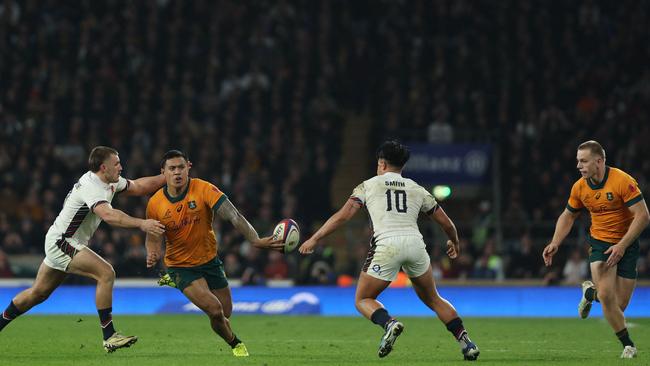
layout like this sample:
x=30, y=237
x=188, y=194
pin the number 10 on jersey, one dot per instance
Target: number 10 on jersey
x=400, y=200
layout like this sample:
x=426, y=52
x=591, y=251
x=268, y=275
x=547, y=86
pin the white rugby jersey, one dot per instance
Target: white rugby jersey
x=77, y=222
x=393, y=203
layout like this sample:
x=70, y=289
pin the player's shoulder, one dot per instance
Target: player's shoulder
x=198, y=183
x=618, y=174
x=87, y=179
x=200, y=186
x=158, y=196
x=411, y=183
x=579, y=184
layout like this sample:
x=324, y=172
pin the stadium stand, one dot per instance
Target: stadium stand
x=244, y=87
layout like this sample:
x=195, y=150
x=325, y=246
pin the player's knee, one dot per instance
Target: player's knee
x=227, y=312
x=358, y=303
x=107, y=275
x=606, y=296
x=215, y=311
x=623, y=304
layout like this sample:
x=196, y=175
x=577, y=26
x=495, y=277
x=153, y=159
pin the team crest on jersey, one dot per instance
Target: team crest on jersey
x=191, y=205
x=610, y=196
x=597, y=196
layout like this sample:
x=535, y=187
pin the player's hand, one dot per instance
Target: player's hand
x=153, y=227
x=269, y=243
x=152, y=258
x=452, y=249
x=548, y=253
x=308, y=246
x=616, y=252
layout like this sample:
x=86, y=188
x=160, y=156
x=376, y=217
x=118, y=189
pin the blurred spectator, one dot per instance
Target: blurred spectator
x=576, y=268
x=525, y=261
x=5, y=267
x=489, y=264
x=276, y=268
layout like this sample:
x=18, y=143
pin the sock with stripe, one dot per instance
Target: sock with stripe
x=624, y=337
x=456, y=328
x=10, y=313
x=380, y=317
x=106, y=321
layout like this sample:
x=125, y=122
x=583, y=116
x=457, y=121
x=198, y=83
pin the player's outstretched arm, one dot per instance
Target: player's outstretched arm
x=145, y=185
x=440, y=217
x=562, y=229
x=638, y=224
x=339, y=218
x=118, y=218
x=227, y=211
x=153, y=243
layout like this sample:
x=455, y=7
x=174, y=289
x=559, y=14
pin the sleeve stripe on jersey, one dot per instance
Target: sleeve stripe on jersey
x=568, y=207
x=357, y=200
x=434, y=209
x=92, y=209
x=634, y=200
x=219, y=202
x=128, y=183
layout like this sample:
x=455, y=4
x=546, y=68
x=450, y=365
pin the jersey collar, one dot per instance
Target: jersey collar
x=181, y=196
x=602, y=183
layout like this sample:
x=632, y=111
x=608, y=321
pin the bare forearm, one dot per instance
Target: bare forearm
x=562, y=228
x=152, y=245
x=328, y=227
x=227, y=211
x=451, y=232
x=245, y=228
x=148, y=185
x=120, y=219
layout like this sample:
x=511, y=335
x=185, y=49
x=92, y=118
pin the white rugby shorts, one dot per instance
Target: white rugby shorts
x=59, y=252
x=388, y=255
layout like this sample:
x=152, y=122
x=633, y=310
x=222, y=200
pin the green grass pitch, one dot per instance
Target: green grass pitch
x=305, y=340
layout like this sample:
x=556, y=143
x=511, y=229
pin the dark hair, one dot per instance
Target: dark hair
x=594, y=147
x=170, y=155
x=98, y=156
x=394, y=153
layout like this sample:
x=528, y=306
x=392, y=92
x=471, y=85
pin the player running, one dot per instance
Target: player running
x=394, y=203
x=66, y=242
x=187, y=207
x=618, y=216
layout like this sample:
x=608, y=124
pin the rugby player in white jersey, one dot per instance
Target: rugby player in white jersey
x=66, y=242
x=394, y=203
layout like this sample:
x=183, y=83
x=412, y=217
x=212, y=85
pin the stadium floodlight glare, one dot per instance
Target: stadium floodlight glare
x=441, y=192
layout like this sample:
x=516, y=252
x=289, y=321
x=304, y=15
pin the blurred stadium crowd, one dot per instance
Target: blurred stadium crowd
x=256, y=94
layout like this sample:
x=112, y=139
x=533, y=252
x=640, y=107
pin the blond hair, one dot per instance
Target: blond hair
x=594, y=147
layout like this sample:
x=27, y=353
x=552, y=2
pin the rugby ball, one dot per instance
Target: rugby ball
x=287, y=231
